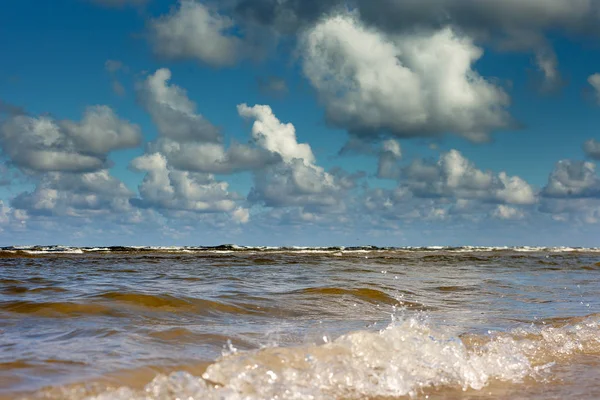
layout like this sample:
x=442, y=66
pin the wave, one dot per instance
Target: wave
x=32, y=251
x=168, y=303
x=406, y=358
x=55, y=309
x=373, y=296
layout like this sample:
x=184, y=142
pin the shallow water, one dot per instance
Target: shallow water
x=254, y=323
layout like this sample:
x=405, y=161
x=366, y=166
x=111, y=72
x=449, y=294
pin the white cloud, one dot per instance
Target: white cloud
x=592, y=148
x=573, y=179
x=82, y=194
x=213, y=157
x=165, y=188
x=11, y=218
x=388, y=167
x=194, y=31
x=454, y=176
x=44, y=144
x=297, y=180
x=409, y=84
x=574, y=210
x=241, y=215
x=189, y=141
x=505, y=212
x=297, y=184
x=594, y=80
x=514, y=190
x=173, y=112
x=275, y=136
x=548, y=64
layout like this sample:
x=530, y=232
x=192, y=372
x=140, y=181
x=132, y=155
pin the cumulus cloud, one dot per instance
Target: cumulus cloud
x=241, y=215
x=296, y=184
x=509, y=213
x=75, y=195
x=43, y=144
x=11, y=218
x=388, y=167
x=512, y=25
x=592, y=149
x=576, y=179
x=454, y=176
x=594, y=81
x=406, y=85
x=194, y=31
x=189, y=141
x=173, y=112
x=275, y=136
x=575, y=210
x=165, y=188
x=213, y=157
x=381, y=205
x=180, y=163
x=297, y=180
x=547, y=63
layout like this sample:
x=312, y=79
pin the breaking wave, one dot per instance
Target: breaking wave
x=406, y=358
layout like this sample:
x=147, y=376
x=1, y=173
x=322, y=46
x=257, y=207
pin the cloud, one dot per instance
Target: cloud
x=173, y=112
x=165, y=188
x=388, y=167
x=10, y=109
x=296, y=184
x=509, y=213
x=43, y=144
x=213, y=157
x=189, y=141
x=296, y=181
x=180, y=163
x=12, y=219
x=113, y=67
x=454, y=176
x=241, y=215
x=405, y=85
x=594, y=80
x=272, y=85
x=75, y=195
x=574, y=179
x=511, y=25
x=547, y=63
x=193, y=31
x=592, y=149
x=275, y=136
x=573, y=210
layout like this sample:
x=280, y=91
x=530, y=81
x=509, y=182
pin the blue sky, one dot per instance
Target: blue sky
x=260, y=122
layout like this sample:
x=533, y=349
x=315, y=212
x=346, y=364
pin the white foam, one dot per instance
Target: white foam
x=403, y=359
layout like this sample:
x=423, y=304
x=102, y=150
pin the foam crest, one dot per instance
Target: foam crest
x=403, y=359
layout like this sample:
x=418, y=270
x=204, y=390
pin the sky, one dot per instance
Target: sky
x=307, y=123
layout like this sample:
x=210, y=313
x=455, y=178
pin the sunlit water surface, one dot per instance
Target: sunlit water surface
x=233, y=323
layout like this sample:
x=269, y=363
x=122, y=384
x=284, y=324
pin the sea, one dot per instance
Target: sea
x=233, y=322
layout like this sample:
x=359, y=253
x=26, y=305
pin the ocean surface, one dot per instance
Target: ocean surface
x=233, y=322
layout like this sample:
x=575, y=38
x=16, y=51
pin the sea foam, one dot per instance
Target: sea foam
x=406, y=358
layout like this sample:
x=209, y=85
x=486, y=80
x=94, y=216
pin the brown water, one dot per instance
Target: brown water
x=231, y=323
